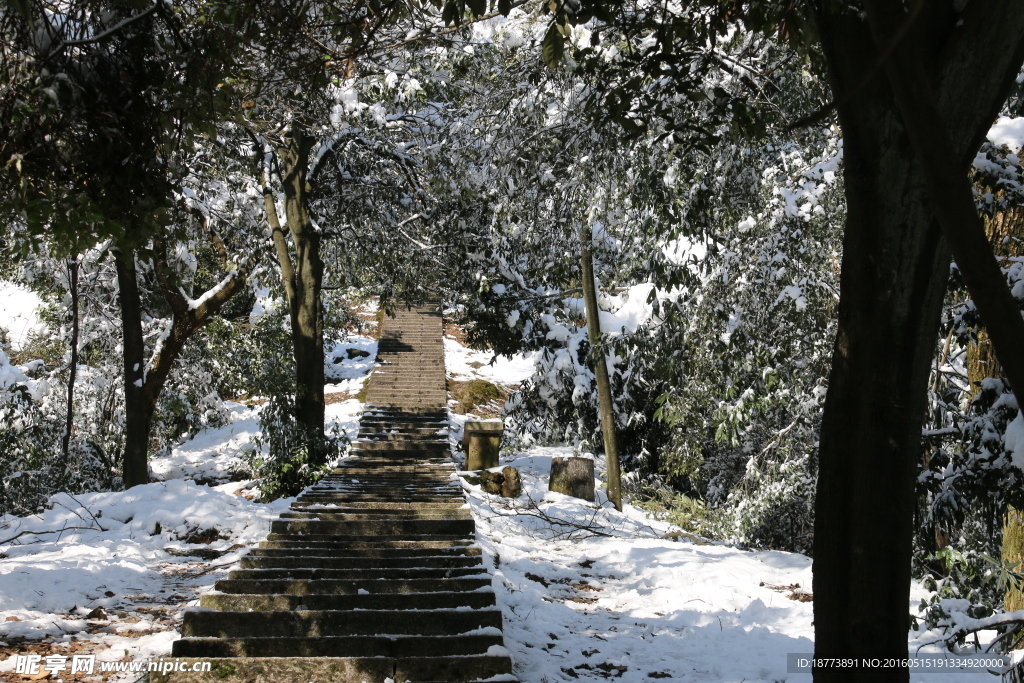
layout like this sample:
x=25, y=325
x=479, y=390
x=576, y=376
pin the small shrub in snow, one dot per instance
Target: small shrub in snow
x=287, y=457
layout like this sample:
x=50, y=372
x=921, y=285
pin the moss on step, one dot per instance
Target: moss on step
x=477, y=396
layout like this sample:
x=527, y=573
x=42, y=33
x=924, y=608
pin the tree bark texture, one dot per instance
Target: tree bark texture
x=135, y=467
x=303, y=277
x=894, y=275
x=604, y=387
x=573, y=477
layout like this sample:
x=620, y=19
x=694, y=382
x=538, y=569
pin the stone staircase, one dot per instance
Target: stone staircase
x=373, y=574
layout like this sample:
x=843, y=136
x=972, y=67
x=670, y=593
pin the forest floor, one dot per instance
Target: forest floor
x=587, y=593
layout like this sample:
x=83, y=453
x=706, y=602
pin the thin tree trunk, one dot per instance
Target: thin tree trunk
x=894, y=274
x=604, y=387
x=73, y=370
x=135, y=467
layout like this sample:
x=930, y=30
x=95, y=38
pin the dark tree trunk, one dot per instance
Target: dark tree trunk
x=73, y=369
x=137, y=417
x=303, y=278
x=894, y=274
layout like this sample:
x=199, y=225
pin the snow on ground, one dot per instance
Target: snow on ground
x=18, y=313
x=463, y=363
x=587, y=593
x=139, y=556
x=212, y=454
x=344, y=360
x=1009, y=132
x=627, y=600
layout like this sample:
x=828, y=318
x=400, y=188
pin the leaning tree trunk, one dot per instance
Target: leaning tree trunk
x=302, y=278
x=894, y=274
x=186, y=319
x=982, y=363
x=135, y=467
x=598, y=356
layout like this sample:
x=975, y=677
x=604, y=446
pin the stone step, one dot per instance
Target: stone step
x=392, y=505
x=393, y=601
x=351, y=586
x=426, y=481
x=411, y=406
x=439, y=431
x=320, y=562
x=385, y=487
x=412, y=411
x=375, y=499
x=310, y=538
x=363, y=446
x=406, y=421
x=358, y=466
x=380, y=436
x=339, y=646
x=337, y=482
x=370, y=514
x=383, y=478
x=371, y=553
x=381, y=527
x=326, y=623
x=376, y=545
x=313, y=574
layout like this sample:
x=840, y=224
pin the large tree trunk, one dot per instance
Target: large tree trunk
x=135, y=467
x=894, y=274
x=303, y=278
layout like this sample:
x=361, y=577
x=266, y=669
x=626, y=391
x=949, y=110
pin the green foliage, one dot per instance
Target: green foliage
x=689, y=514
x=286, y=456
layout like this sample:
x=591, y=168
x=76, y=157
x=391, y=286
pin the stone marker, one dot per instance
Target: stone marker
x=572, y=476
x=512, y=483
x=482, y=440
